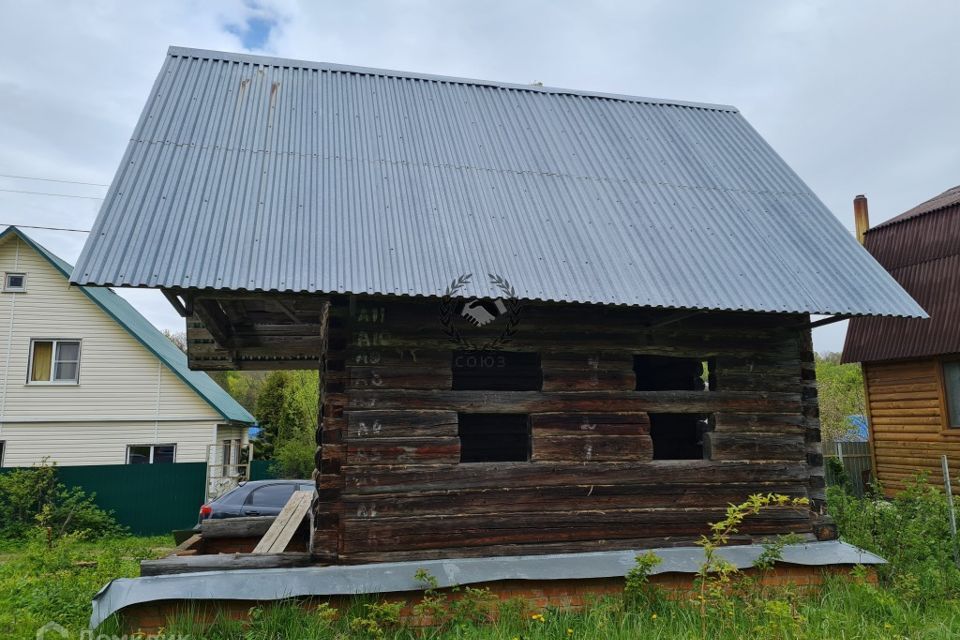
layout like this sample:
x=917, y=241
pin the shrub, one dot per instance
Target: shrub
x=33, y=497
x=911, y=532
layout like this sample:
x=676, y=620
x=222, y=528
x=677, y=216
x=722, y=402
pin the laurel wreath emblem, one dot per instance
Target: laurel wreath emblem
x=448, y=305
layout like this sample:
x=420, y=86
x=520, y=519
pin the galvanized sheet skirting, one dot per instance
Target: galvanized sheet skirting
x=388, y=577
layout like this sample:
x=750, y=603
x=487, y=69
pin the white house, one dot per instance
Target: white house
x=86, y=380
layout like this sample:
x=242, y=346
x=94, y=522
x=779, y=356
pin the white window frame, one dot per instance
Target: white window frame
x=53, y=362
x=3, y=451
x=152, y=448
x=6, y=282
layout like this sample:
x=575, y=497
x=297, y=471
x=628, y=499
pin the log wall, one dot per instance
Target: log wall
x=907, y=412
x=391, y=485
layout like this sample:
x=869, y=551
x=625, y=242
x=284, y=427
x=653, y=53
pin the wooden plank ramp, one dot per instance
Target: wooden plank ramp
x=278, y=536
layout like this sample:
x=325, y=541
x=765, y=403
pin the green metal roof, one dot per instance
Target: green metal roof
x=148, y=335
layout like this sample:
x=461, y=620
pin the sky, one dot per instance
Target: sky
x=858, y=96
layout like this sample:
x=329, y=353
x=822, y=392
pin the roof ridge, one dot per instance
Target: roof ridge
x=274, y=61
x=920, y=210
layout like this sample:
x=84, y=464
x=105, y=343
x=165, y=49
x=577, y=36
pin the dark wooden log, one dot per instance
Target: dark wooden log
x=223, y=562
x=576, y=402
x=754, y=446
x=588, y=380
x=361, y=479
x=495, y=551
x=396, y=378
x=437, y=532
x=235, y=527
x=397, y=423
x=392, y=451
x=564, y=498
x=591, y=448
x=562, y=424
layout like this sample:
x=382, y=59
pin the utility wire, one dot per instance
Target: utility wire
x=31, y=226
x=89, y=184
x=44, y=193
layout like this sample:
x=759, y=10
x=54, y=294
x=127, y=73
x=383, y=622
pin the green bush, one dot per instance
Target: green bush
x=34, y=497
x=911, y=532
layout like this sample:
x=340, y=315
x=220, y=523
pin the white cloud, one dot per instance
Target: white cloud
x=859, y=97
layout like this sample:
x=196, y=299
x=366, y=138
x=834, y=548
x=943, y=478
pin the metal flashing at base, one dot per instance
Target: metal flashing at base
x=388, y=577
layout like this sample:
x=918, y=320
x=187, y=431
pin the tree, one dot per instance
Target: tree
x=178, y=338
x=287, y=410
x=840, y=393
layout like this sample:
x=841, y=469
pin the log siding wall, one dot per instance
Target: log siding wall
x=907, y=412
x=391, y=486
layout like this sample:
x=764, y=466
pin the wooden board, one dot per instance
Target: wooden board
x=278, y=536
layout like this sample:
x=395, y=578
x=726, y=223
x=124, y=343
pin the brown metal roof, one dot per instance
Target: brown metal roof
x=949, y=197
x=922, y=252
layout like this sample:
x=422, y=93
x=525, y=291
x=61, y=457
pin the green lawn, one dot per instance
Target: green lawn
x=40, y=583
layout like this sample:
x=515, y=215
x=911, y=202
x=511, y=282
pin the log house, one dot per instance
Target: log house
x=546, y=320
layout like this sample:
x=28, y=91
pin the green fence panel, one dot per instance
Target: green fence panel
x=261, y=470
x=148, y=498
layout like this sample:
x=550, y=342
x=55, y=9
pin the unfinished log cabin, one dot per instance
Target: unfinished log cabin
x=911, y=367
x=546, y=320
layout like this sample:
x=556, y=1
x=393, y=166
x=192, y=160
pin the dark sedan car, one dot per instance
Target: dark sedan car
x=254, y=498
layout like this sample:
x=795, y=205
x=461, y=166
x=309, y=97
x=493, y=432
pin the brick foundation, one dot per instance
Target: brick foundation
x=537, y=594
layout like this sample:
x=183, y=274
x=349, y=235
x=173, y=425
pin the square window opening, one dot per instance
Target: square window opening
x=668, y=373
x=494, y=437
x=678, y=436
x=15, y=282
x=496, y=371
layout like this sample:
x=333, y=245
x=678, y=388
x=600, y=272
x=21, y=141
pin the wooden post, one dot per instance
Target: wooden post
x=953, y=516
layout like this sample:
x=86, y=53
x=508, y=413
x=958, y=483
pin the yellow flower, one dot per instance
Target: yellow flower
x=569, y=632
x=653, y=617
x=887, y=625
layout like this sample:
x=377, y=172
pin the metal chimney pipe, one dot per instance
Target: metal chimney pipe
x=861, y=216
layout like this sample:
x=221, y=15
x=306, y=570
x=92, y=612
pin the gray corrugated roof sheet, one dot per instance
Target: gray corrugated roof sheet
x=256, y=173
x=147, y=335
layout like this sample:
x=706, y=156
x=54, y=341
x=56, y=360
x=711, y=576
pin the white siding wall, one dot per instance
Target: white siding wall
x=125, y=395
x=78, y=443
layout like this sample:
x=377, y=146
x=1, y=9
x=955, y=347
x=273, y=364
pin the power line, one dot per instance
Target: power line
x=44, y=193
x=31, y=226
x=89, y=184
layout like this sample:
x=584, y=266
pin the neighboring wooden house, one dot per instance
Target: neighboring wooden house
x=545, y=320
x=911, y=367
x=86, y=380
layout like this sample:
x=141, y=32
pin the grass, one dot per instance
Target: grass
x=40, y=583
x=918, y=596
x=842, y=609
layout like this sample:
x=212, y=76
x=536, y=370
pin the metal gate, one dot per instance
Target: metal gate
x=854, y=459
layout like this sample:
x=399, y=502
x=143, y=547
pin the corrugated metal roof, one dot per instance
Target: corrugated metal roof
x=947, y=198
x=923, y=253
x=258, y=173
x=148, y=335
